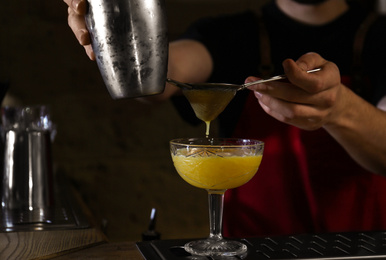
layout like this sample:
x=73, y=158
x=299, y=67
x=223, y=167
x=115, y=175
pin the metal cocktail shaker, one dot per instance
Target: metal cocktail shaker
x=129, y=38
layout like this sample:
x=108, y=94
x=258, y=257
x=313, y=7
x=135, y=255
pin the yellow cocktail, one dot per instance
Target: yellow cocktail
x=216, y=172
x=216, y=164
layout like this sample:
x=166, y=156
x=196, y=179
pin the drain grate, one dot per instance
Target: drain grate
x=328, y=246
x=331, y=246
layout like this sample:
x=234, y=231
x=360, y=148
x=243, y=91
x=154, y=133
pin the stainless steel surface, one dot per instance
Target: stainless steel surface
x=31, y=198
x=226, y=86
x=27, y=171
x=129, y=38
x=27, y=188
x=27, y=164
x=64, y=213
x=328, y=246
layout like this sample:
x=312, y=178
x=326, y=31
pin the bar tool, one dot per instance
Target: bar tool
x=129, y=38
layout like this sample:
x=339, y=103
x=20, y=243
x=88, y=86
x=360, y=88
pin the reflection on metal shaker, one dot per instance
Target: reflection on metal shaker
x=129, y=38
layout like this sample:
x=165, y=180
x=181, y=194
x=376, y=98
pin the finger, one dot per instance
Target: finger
x=78, y=26
x=286, y=92
x=78, y=6
x=288, y=111
x=292, y=95
x=297, y=74
x=90, y=52
x=282, y=90
x=310, y=61
x=299, y=115
x=251, y=79
x=314, y=82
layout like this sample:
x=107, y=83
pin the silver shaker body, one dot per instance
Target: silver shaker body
x=129, y=38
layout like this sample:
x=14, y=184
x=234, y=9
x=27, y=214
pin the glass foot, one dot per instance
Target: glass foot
x=211, y=247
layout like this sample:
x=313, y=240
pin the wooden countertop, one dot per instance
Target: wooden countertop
x=64, y=244
x=45, y=244
x=116, y=251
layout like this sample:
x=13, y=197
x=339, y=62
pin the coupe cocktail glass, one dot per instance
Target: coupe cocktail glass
x=216, y=164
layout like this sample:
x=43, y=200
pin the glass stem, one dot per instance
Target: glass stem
x=216, y=205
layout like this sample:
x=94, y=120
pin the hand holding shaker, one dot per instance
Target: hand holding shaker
x=129, y=38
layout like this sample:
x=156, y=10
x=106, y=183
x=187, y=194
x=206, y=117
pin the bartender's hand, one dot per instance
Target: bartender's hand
x=76, y=15
x=308, y=100
x=314, y=100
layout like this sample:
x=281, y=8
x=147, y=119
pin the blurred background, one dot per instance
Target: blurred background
x=116, y=153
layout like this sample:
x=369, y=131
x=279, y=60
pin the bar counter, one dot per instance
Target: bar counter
x=89, y=242
x=64, y=244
